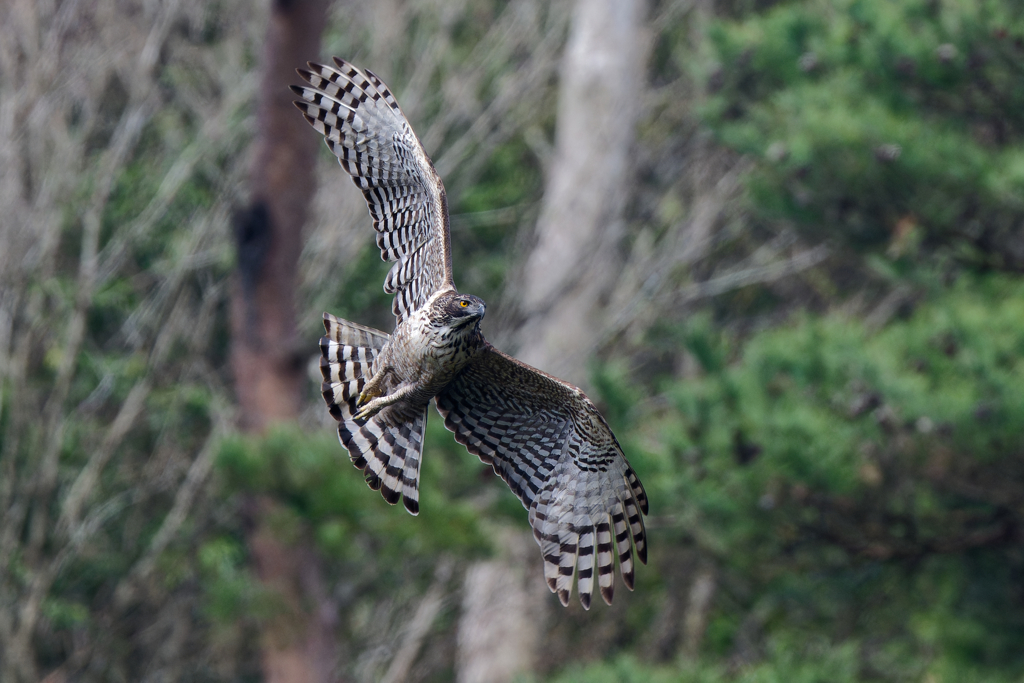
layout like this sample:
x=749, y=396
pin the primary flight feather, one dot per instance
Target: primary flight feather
x=543, y=436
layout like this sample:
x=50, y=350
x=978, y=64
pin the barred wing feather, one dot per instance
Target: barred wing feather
x=388, y=446
x=364, y=127
x=546, y=439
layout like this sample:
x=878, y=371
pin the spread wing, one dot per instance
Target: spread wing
x=364, y=127
x=549, y=443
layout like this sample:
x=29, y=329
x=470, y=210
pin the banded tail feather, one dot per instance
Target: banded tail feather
x=388, y=446
x=347, y=353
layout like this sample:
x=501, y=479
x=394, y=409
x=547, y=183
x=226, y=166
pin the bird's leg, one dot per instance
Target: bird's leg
x=373, y=387
x=376, y=405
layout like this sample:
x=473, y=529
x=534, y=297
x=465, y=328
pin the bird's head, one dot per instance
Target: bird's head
x=460, y=311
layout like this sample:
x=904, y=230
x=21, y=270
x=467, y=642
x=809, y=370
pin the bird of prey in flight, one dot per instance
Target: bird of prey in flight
x=543, y=436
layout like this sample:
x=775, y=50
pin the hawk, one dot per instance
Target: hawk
x=542, y=436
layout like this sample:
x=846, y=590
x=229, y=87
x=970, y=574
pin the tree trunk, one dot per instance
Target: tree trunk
x=267, y=362
x=266, y=359
x=569, y=272
x=574, y=263
x=503, y=613
x=299, y=645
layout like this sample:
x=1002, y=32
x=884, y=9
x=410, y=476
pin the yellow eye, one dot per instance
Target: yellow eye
x=464, y=304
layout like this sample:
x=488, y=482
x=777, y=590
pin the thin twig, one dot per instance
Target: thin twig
x=750, y=276
x=88, y=477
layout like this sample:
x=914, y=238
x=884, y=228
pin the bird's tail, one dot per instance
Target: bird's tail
x=386, y=446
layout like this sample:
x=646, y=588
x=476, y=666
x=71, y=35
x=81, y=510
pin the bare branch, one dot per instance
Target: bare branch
x=657, y=296
x=757, y=275
x=87, y=478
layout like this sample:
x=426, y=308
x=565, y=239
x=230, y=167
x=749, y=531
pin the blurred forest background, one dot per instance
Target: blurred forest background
x=781, y=244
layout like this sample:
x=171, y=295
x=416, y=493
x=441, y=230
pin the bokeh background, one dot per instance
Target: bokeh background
x=780, y=244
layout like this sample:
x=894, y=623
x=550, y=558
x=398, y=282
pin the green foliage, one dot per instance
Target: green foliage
x=486, y=215
x=855, y=483
x=231, y=592
x=313, y=475
x=852, y=482
x=803, y=661
x=377, y=557
x=881, y=123
x=812, y=661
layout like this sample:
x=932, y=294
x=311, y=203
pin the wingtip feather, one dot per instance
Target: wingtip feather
x=628, y=578
x=411, y=506
x=390, y=495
